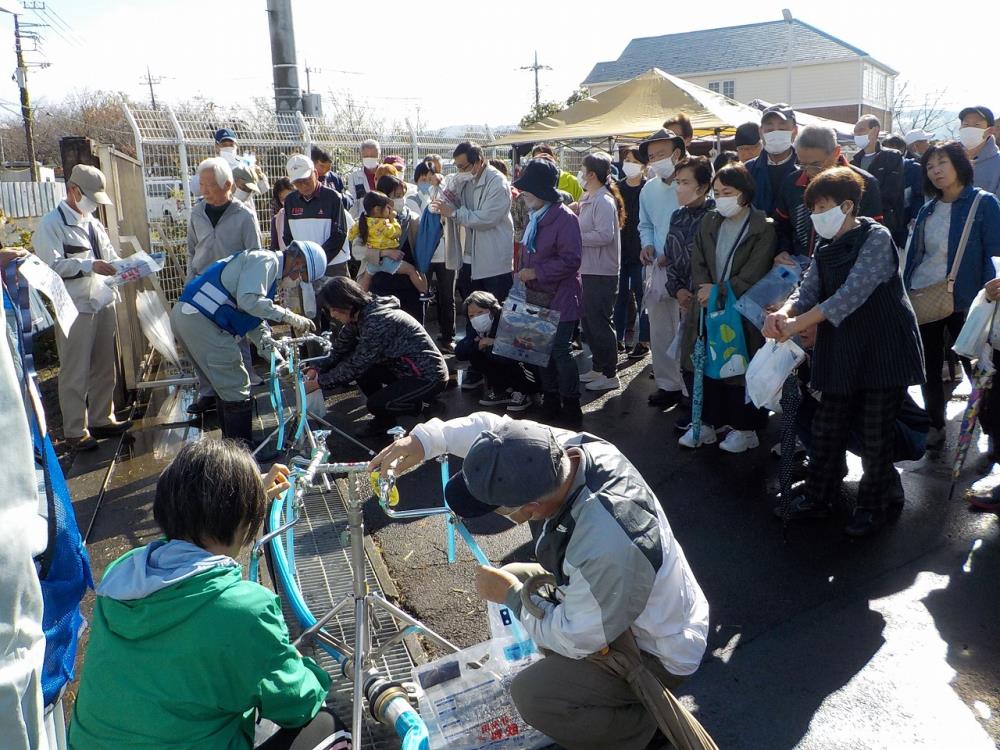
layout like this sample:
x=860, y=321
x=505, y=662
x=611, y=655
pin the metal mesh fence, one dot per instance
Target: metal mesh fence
x=170, y=143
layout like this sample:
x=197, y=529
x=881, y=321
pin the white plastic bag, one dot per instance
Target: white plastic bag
x=655, y=285
x=465, y=699
x=976, y=330
x=155, y=325
x=769, y=369
x=315, y=403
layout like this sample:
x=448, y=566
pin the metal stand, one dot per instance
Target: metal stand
x=362, y=660
x=293, y=364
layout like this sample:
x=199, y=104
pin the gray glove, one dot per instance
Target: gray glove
x=299, y=323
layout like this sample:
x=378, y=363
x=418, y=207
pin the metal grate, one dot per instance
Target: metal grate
x=323, y=569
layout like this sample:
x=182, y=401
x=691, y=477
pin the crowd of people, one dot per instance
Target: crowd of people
x=639, y=254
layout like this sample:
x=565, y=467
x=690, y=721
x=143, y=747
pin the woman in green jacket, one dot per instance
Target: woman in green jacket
x=183, y=652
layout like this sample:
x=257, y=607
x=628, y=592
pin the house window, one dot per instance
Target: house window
x=876, y=86
x=726, y=88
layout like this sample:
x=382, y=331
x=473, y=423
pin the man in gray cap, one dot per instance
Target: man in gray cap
x=76, y=246
x=619, y=572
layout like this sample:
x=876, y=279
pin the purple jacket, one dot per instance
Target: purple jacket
x=556, y=261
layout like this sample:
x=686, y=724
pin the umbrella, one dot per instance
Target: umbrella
x=428, y=237
x=698, y=392
x=982, y=378
x=791, y=398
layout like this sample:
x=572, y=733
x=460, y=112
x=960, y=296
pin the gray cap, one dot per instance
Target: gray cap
x=517, y=464
x=91, y=181
x=248, y=178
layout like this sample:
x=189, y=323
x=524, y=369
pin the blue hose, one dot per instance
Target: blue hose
x=277, y=403
x=303, y=411
x=412, y=729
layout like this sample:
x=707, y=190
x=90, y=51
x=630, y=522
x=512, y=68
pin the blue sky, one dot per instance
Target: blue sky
x=456, y=61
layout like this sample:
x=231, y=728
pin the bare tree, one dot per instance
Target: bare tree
x=920, y=112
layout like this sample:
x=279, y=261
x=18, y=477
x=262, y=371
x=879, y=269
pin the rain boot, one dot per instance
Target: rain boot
x=236, y=420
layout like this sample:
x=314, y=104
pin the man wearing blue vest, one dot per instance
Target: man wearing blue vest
x=231, y=299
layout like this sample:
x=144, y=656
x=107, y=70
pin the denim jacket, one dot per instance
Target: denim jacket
x=984, y=244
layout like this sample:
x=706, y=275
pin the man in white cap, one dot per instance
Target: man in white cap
x=918, y=141
x=234, y=298
x=76, y=246
x=315, y=213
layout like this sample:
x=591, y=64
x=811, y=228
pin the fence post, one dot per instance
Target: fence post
x=304, y=130
x=183, y=156
x=414, y=145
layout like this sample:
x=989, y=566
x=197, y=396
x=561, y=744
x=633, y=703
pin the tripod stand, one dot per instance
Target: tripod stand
x=360, y=662
x=285, y=358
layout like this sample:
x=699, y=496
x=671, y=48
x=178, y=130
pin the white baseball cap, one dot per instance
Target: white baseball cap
x=299, y=167
x=917, y=135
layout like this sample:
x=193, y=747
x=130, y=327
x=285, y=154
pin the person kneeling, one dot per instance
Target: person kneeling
x=388, y=353
x=184, y=652
x=508, y=383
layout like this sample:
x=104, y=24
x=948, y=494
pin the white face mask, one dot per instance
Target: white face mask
x=481, y=323
x=971, y=137
x=85, y=206
x=631, y=169
x=370, y=162
x=398, y=204
x=228, y=153
x=581, y=177
x=241, y=195
x=777, y=141
x=664, y=168
x=461, y=178
x=828, y=223
x=861, y=141
x=728, y=205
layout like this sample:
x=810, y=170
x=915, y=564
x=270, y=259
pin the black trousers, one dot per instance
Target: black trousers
x=932, y=335
x=502, y=373
x=444, y=281
x=498, y=286
x=325, y=732
x=725, y=404
x=873, y=414
x=390, y=396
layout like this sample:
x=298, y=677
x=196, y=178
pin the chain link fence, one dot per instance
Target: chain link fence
x=170, y=143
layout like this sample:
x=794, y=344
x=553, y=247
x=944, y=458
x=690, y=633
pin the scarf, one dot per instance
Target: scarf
x=530, y=231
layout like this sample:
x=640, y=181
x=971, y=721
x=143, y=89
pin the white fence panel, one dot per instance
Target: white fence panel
x=20, y=200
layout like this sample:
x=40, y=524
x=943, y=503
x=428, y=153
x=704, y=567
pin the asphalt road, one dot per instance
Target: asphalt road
x=817, y=641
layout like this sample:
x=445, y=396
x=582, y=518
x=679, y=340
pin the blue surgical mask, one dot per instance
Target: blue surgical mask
x=424, y=187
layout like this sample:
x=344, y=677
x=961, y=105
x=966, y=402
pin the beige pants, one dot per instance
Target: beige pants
x=215, y=354
x=87, y=372
x=578, y=703
x=664, y=322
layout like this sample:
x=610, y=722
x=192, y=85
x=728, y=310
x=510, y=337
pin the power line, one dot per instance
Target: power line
x=151, y=81
x=536, y=67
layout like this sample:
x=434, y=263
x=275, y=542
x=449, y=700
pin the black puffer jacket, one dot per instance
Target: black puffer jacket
x=383, y=335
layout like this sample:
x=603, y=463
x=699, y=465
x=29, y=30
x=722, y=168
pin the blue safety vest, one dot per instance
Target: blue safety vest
x=209, y=297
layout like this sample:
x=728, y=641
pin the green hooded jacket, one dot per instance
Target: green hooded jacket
x=190, y=664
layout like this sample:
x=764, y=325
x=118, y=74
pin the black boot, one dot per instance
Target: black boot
x=236, y=420
x=203, y=405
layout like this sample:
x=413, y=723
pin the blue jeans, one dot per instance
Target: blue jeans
x=630, y=287
x=562, y=375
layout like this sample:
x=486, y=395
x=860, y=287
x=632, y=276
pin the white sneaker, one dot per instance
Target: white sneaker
x=738, y=441
x=588, y=377
x=604, y=383
x=707, y=437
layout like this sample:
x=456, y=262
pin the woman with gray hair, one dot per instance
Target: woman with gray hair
x=508, y=383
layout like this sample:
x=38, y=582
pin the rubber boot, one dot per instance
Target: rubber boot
x=236, y=420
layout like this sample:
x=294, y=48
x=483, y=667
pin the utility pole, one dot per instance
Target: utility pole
x=151, y=81
x=22, y=82
x=308, y=80
x=536, y=67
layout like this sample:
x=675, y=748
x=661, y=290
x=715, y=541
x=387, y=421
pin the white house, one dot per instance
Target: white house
x=777, y=61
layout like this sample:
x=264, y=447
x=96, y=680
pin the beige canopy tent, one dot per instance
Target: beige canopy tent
x=636, y=109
